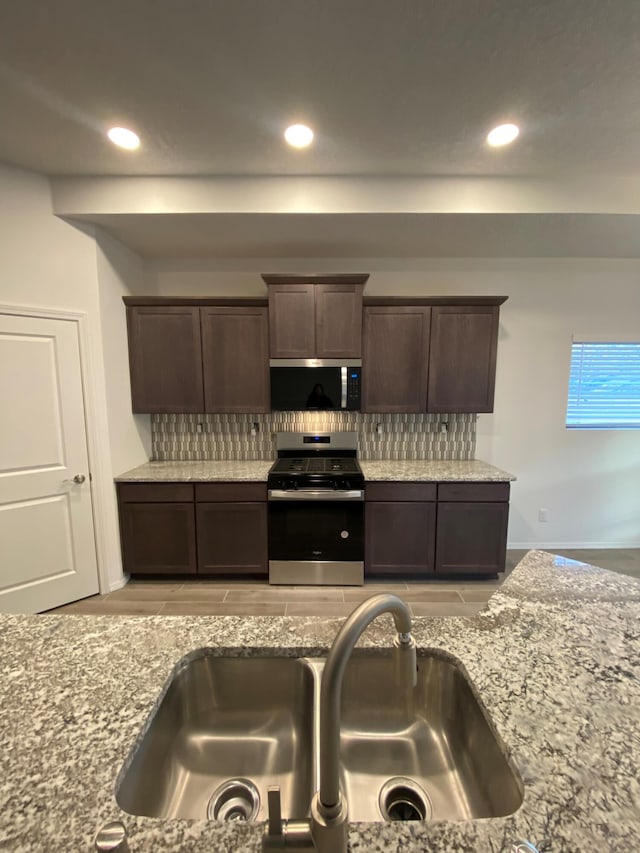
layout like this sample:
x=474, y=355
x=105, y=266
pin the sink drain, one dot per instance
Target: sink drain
x=234, y=800
x=403, y=799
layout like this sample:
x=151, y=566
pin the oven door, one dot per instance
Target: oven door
x=316, y=541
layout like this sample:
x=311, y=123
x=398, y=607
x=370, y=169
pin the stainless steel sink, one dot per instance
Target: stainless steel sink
x=223, y=720
x=435, y=755
x=224, y=725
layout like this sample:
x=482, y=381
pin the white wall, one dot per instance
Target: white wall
x=588, y=480
x=47, y=263
x=120, y=273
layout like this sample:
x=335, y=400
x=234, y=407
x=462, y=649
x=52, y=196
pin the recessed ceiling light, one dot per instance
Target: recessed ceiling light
x=503, y=135
x=124, y=138
x=299, y=135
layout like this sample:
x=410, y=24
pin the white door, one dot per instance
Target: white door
x=47, y=546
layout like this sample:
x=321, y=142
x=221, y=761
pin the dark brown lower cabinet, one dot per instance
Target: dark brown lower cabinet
x=232, y=539
x=399, y=529
x=472, y=528
x=216, y=529
x=157, y=528
x=412, y=529
x=231, y=524
x=415, y=529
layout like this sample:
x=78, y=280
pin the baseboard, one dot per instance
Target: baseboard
x=118, y=583
x=550, y=546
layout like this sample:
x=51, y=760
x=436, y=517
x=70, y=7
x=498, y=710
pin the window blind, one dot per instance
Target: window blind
x=604, y=386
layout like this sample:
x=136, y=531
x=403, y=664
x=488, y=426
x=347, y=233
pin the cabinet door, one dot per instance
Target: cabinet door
x=399, y=539
x=232, y=538
x=158, y=538
x=292, y=321
x=394, y=362
x=472, y=537
x=235, y=355
x=338, y=321
x=165, y=359
x=462, y=358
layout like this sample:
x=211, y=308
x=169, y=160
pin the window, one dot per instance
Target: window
x=604, y=385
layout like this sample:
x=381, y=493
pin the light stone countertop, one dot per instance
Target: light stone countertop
x=227, y=470
x=472, y=470
x=555, y=658
x=201, y=471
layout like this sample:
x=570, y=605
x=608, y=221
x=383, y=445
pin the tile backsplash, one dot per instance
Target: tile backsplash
x=415, y=436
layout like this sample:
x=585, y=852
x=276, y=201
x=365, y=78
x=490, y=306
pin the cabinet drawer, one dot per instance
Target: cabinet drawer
x=473, y=491
x=227, y=492
x=155, y=492
x=400, y=491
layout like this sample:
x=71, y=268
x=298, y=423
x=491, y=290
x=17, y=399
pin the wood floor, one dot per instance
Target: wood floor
x=224, y=598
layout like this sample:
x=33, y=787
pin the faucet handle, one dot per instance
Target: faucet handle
x=274, y=811
x=112, y=836
x=280, y=835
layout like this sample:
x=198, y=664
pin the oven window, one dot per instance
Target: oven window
x=308, y=531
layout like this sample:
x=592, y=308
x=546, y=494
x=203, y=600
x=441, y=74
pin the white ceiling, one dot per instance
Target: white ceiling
x=405, y=87
x=392, y=88
x=356, y=235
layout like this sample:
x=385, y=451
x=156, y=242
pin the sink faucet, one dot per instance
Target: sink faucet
x=326, y=831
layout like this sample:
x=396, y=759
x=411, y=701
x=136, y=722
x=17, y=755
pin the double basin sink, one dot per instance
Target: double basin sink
x=227, y=728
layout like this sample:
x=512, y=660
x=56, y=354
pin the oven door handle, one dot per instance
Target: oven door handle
x=315, y=495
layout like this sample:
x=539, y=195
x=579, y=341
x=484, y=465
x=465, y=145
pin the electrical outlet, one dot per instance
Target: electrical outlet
x=379, y=429
x=543, y=515
x=199, y=427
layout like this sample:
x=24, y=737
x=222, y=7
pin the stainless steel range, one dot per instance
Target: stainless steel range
x=316, y=510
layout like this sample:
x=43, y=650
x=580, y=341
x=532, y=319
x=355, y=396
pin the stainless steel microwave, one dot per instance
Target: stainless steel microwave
x=315, y=384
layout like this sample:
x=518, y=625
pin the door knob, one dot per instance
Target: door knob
x=79, y=478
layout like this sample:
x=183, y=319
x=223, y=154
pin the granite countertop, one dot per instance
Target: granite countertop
x=202, y=471
x=387, y=469
x=554, y=658
x=473, y=470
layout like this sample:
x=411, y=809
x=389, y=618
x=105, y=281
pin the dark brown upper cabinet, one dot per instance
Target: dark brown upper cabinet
x=462, y=358
x=235, y=355
x=209, y=355
x=315, y=316
x=338, y=320
x=165, y=359
x=394, y=361
x=292, y=323
x=436, y=354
